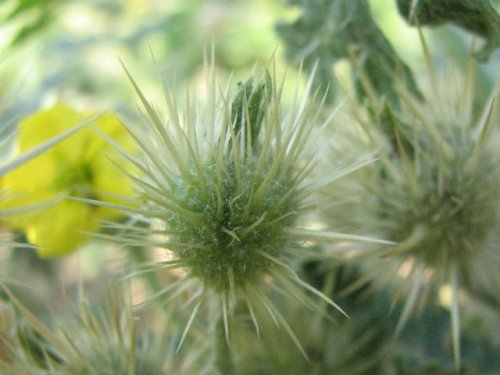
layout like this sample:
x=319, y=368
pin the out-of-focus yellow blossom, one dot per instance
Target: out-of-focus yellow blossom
x=80, y=166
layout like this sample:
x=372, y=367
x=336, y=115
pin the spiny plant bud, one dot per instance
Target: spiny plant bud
x=436, y=192
x=93, y=340
x=227, y=208
x=225, y=187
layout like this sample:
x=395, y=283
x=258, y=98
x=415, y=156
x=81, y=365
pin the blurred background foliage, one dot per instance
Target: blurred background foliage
x=55, y=49
x=70, y=51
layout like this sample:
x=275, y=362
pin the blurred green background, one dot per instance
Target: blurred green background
x=70, y=51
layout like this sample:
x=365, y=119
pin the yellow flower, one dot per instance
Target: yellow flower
x=80, y=166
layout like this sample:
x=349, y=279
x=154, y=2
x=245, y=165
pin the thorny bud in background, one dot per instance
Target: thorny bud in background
x=435, y=191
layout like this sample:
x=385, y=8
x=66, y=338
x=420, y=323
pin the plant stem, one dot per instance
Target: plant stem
x=223, y=356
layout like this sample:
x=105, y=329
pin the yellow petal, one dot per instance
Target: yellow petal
x=62, y=233
x=81, y=165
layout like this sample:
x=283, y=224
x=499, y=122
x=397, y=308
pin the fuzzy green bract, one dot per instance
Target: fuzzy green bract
x=236, y=225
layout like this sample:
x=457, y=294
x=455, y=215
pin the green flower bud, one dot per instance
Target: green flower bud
x=435, y=191
x=224, y=189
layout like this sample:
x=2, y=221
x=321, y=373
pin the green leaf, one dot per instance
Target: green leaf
x=331, y=30
x=39, y=13
x=476, y=16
